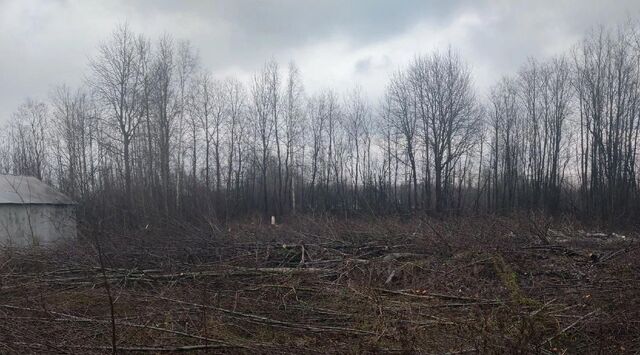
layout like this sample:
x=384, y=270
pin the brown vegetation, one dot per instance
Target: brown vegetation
x=321, y=285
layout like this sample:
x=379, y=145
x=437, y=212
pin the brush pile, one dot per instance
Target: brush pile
x=459, y=285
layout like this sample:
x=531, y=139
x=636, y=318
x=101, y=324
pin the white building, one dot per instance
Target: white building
x=33, y=213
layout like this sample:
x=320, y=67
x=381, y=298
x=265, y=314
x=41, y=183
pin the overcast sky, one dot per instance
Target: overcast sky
x=336, y=43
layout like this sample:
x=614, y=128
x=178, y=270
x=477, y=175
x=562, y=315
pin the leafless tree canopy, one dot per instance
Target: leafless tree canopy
x=153, y=134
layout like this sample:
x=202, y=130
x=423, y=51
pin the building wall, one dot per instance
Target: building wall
x=25, y=225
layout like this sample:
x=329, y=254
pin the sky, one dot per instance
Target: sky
x=336, y=43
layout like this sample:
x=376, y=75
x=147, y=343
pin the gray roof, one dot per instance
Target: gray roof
x=29, y=190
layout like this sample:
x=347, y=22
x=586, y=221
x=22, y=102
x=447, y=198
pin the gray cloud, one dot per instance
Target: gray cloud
x=338, y=43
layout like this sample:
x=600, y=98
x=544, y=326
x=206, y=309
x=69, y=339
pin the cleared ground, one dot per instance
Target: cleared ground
x=458, y=285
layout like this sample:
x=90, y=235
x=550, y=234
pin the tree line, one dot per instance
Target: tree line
x=153, y=134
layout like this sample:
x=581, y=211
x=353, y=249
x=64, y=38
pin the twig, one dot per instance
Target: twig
x=114, y=347
x=570, y=326
x=437, y=295
x=274, y=322
x=185, y=348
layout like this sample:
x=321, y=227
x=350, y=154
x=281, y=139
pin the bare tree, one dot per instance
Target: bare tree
x=202, y=111
x=263, y=124
x=117, y=80
x=73, y=120
x=293, y=125
x=405, y=120
x=505, y=123
x=451, y=114
x=356, y=124
x=166, y=110
x=235, y=97
x=30, y=139
x=606, y=81
x=186, y=63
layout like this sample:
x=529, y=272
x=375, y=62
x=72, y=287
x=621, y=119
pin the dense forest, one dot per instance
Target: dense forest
x=152, y=134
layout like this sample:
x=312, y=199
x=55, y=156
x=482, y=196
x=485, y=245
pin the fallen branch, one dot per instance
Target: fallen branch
x=436, y=295
x=567, y=328
x=273, y=322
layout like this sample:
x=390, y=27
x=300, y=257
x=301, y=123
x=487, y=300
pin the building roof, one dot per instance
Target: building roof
x=27, y=190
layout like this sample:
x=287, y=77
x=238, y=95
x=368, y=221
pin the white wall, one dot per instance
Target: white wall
x=25, y=225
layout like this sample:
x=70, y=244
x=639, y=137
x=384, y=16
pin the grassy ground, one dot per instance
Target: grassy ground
x=459, y=285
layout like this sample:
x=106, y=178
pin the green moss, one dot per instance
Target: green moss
x=510, y=281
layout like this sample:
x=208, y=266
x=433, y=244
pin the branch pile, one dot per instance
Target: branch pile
x=328, y=286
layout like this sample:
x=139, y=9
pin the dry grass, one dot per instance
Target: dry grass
x=460, y=285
